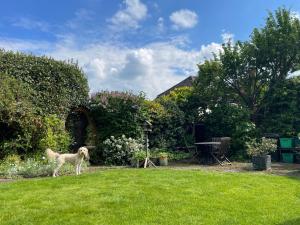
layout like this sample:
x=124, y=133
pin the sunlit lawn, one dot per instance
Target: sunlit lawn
x=152, y=196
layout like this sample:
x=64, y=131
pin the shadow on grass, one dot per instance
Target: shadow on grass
x=290, y=222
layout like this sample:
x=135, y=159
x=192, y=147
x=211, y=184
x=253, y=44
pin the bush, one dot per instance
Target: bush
x=261, y=147
x=115, y=114
x=58, y=85
x=119, y=151
x=19, y=123
x=32, y=88
x=55, y=136
x=172, y=116
x=139, y=155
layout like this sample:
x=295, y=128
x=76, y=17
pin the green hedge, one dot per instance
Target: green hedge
x=32, y=89
x=58, y=85
x=115, y=114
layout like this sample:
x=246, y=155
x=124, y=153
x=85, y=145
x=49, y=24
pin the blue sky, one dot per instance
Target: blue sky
x=137, y=45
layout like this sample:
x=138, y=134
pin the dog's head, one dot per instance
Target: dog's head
x=84, y=152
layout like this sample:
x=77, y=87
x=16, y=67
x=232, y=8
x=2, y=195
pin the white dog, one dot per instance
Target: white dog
x=75, y=159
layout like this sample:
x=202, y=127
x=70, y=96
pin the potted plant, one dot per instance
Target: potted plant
x=163, y=158
x=259, y=150
x=137, y=159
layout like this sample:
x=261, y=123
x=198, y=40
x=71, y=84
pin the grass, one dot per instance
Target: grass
x=152, y=196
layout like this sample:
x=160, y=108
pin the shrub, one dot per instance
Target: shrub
x=172, y=116
x=261, y=147
x=119, y=151
x=115, y=113
x=139, y=155
x=55, y=136
x=19, y=122
x=58, y=85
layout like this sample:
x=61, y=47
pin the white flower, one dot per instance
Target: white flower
x=208, y=111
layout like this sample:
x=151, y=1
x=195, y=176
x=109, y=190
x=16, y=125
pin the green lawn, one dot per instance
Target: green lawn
x=152, y=196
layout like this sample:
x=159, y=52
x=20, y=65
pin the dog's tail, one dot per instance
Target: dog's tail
x=51, y=155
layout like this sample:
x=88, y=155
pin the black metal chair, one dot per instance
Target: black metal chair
x=219, y=151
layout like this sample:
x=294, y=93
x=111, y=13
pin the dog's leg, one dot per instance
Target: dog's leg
x=55, y=173
x=79, y=168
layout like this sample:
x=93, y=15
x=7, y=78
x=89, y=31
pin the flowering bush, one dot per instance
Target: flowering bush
x=261, y=148
x=119, y=151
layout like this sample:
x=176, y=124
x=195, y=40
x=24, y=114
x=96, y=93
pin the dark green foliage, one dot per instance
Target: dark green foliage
x=58, y=85
x=245, y=72
x=31, y=88
x=19, y=124
x=116, y=114
x=281, y=113
x=172, y=117
x=252, y=75
x=54, y=135
x=230, y=120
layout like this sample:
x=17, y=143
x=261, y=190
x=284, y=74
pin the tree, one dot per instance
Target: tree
x=245, y=72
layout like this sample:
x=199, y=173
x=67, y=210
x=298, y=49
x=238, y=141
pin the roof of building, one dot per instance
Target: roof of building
x=187, y=82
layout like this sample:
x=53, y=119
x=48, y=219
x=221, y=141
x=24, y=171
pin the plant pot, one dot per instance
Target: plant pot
x=163, y=161
x=261, y=162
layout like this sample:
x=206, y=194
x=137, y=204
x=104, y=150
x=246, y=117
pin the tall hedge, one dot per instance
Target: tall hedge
x=58, y=85
x=115, y=114
x=19, y=125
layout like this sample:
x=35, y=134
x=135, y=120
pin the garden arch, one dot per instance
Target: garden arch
x=82, y=127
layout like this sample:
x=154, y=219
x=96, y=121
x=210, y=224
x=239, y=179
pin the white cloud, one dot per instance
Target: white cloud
x=184, y=19
x=295, y=15
x=152, y=68
x=96, y=68
x=227, y=37
x=130, y=16
x=30, y=24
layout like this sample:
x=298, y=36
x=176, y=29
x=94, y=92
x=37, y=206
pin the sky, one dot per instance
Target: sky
x=132, y=45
